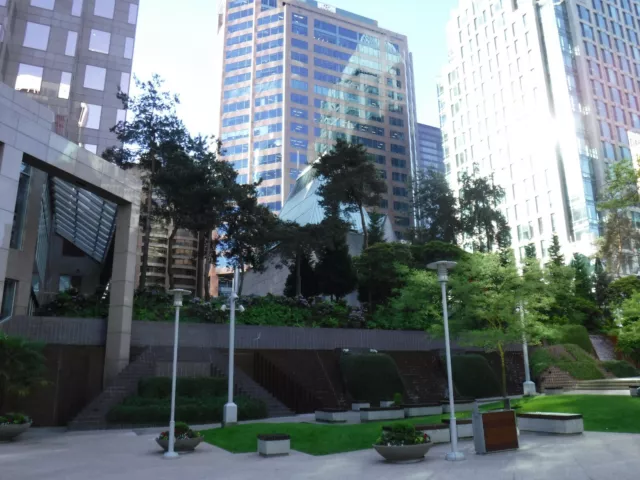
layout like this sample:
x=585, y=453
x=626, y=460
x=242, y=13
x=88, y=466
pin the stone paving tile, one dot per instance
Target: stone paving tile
x=115, y=455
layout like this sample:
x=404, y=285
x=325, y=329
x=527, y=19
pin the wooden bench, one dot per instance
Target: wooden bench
x=545, y=422
x=331, y=415
x=381, y=413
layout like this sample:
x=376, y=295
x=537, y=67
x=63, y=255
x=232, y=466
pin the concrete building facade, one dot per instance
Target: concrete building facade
x=541, y=96
x=430, y=155
x=296, y=76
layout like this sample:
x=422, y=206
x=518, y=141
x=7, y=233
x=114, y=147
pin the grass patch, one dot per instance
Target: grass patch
x=606, y=413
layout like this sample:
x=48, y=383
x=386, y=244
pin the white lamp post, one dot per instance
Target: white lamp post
x=443, y=267
x=230, y=411
x=528, y=386
x=177, y=302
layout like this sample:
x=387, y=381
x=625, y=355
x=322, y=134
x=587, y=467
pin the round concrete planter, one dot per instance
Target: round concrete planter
x=182, y=445
x=9, y=432
x=406, y=453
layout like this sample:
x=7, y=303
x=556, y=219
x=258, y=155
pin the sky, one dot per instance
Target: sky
x=176, y=41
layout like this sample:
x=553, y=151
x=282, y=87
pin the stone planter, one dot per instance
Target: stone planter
x=331, y=415
x=633, y=390
x=357, y=406
x=558, y=423
x=405, y=453
x=274, y=445
x=9, y=432
x=554, y=390
x=463, y=426
x=439, y=432
x=386, y=403
x=422, y=410
x=461, y=405
x=181, y=445
x=377, y=414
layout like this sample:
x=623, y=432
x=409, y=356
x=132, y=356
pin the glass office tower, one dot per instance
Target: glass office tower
x=298, y=75
x=542, y=95
x=429, y=148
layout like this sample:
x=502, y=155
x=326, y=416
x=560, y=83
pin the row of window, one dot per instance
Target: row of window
x=349, y=124
x=266, y=114
x=243, y=77
x=230, y=67
x=271, y=18
x=267, y=175
x=231, y=121
x=272, y=57
x=348, y=110
x=240, y=14
x=236, y=106
x=240, y=26
x=101, y=8
x=235, y=135
x=267, y=129
x=268, y=100
x=267, y=32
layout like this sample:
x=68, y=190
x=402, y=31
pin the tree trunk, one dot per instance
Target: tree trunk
x=144, y=264
x=365, y=232
x=172, y=237
x=298, y=274
x=208, y=256
x=241, y=282
x=503, y=366
x=200, y=265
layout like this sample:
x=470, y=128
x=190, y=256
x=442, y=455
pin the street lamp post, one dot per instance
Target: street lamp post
x=528, y=386
x=443, y=267
x=230, y=411
x=177, y=302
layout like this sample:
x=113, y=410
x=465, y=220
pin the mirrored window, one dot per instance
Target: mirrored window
x=76, y=8
x=128, y=48
x=125, y=78
x=48, y=4
x=133, y=13
x=99, y=41
x=90, y=116
x=36, y=36
x=29, y=78
x=65, y=85
x=72, y=42
x=94, y=77
x=104, y=8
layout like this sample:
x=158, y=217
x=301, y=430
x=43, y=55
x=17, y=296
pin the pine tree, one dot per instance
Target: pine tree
x=530, y=250
x=308, y=280
x=376, y=228
x=335, y=272
x=601, y=281
x=583, y=279
x=555, y=255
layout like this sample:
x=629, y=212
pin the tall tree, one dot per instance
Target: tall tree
x=555, y=252
x=335, y=272
x=301, y=281
x=530, y=250
x=483, y=223
x=152, y=123
x=435, y=208
x=296, y=244
x=601, y=281
x=376, y=228
x=350, y=180
x=583, y=279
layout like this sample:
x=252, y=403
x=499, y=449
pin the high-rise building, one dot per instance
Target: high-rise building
x=70, y=56
x=429, y=148
x=299, y=74
x=541, y=95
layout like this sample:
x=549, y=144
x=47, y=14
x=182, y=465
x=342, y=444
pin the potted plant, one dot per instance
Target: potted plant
x=12, y=425
x=401, y=442
x=186, y=439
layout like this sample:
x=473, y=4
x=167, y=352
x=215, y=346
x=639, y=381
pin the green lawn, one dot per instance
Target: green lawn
x=602, y=413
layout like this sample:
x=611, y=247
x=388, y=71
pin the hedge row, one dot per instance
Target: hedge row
x=474, y=377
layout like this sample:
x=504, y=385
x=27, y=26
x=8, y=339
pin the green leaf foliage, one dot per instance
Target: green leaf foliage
x=621, y=368
x=474, y=377
x=22, y=366
x=370, y=377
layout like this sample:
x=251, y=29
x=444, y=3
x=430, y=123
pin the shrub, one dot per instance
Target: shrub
x=570, y=358
x=160, y=387
x=576, y=335
x=474, y=377
x=371, y=377
x=22, y=366
x=398, y=399
x=620, y=368
x=401, y=434
x=14, y=419
x=629, y=341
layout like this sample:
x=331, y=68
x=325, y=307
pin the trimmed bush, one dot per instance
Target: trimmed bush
x=371, y=377
x=473, y=376
x=576, y=335
x=150, y=411
x=160, y=387
x=570, y=358
x=620, y=368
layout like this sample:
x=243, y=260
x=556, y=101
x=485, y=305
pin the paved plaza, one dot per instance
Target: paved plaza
x=126, y=455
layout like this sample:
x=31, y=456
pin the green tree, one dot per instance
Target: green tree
x=601, y=281
x=530, y=250
x=302, y=280
x=555, y=252
x=621, y=290
x=351, y=180
x=296, y=245
x=22, y=366
x=334, y=270
x=382, y=271
x=436, y=209
x=152, y=122
x=376, y=228
x=483, y=224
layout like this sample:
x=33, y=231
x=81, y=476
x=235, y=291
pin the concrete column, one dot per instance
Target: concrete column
x=10, y=160
x=121, y=291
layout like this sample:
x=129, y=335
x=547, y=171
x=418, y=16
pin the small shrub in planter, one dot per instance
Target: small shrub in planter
x=398, y=400
x=12, y=425
x=186, y=439
x=401, y=442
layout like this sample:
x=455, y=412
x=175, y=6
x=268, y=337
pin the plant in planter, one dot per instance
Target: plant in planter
x=12, y=425
x=398, y=400
x=401, y=442
x=186, y=439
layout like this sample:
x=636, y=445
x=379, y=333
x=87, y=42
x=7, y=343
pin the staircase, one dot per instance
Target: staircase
x=553, y=377
x=93, y=416
x=246, y=385
x=603, y=347
x=608, y=384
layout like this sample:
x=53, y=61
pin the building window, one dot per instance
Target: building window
x=99, y=41
x=29, y=78
x=121, y=115
x=72, y=41
x=92, y=148
x=20, y=212
x=128, y=48
x=48, y=4
x=90, y=116
x=104, y=8
x=94, y=77
x=125, y=79
x=76, y=8
x=36, y=36
x=8, y=296
x=133, y=13
x=65, y=85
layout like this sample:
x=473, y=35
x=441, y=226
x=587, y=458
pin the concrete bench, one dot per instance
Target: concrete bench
x=439, y=432
x=544, y=422
x=331, y=415
x=463, y=425
x=377, y=414
x=461, y=405
x=422, y=409
x=357, y=406
x=633, y=390
x=274, y=445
